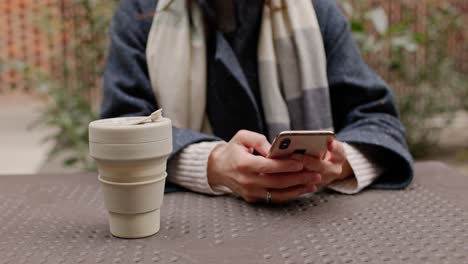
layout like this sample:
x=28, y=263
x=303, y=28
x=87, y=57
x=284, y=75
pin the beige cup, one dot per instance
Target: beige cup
x=133, y=207
x=131, y=160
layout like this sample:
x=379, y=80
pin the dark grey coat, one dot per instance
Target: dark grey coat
x=363, y=106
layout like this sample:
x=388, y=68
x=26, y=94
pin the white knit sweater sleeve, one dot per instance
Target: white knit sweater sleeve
x=189, y=169
x=365, y=172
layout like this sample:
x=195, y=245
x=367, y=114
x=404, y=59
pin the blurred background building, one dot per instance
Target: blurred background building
x=52, y=54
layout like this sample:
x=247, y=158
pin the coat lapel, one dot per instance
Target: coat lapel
x=227, y=57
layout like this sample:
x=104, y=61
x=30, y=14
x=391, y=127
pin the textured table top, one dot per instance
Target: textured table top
x=61, y=219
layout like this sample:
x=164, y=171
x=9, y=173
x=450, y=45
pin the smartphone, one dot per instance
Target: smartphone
x=307, y=142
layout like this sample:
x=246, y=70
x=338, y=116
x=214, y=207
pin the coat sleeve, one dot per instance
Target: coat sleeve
x=127, y=86
x=363, y=106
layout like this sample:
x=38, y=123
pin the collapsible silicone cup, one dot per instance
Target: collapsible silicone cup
x=127, y=153
x=131, y=160
x=134, y=208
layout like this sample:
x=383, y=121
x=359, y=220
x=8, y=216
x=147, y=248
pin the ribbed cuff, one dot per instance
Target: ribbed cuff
x=189, y=169
x=365, y=172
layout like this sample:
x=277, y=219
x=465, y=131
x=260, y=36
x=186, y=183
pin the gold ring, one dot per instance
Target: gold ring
x=268, y=197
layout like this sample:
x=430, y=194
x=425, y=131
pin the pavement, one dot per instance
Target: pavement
x=21, y=148
x=453, y=143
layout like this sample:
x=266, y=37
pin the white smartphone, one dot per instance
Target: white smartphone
x=306, y=142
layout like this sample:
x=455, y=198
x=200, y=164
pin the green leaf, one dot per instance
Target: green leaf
x=70, y=162
x=357, y=26
x=398, y=28
x=420, y=38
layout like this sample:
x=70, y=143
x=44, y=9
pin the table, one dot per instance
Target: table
x=61, y=219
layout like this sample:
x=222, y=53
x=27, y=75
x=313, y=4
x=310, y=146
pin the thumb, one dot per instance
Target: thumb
x=253, y=140
x=330, y=144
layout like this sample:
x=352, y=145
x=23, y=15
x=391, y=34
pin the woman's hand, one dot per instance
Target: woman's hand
x=250, y=176
x=333, y=167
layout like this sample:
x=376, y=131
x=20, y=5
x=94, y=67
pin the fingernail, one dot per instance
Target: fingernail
x=316, y=178
x=311, y=188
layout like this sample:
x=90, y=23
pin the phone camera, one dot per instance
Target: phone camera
x=284, y=144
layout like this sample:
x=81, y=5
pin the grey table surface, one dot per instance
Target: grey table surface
x=61, y=219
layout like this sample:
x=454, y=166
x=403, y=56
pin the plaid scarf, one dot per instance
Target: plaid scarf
x=291, y=58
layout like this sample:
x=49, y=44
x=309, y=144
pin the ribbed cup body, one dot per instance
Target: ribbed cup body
x=132, y=161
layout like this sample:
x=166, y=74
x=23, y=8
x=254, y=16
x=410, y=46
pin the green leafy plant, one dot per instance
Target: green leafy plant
x=69, y=93
x=429, y=93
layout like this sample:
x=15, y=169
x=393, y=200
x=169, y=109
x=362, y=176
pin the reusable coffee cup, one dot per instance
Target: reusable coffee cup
x=131, y=155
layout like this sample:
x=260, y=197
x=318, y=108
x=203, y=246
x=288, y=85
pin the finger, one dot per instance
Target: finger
x=286, y=180
x=330, y=141
x=253, y=140
x=260, y=164
x=298, y=157
x=327, y=179
x=283, y=195
x=337, y=151
x=314, y=164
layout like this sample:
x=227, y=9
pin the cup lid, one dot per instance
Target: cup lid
x=125, y=130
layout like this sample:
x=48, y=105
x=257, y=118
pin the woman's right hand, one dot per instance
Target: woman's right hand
x=235, y=166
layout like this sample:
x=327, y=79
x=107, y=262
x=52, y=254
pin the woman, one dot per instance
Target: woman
x=231, y=73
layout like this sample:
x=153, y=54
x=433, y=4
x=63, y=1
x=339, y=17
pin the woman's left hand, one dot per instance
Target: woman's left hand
x=334, y=166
